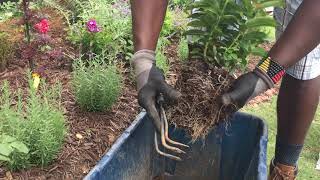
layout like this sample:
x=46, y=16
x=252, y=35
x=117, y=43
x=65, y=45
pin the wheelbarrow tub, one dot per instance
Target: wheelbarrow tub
x=234, y=150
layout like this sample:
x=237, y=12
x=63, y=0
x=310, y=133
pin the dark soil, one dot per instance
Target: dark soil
x=200, y=107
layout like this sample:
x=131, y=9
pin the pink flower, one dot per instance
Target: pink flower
x=92, y=26
x=42, y=27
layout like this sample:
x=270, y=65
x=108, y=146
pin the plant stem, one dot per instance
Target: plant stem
x=25, y=5
x=215, y=26
x=233, y=42
x=26, y=13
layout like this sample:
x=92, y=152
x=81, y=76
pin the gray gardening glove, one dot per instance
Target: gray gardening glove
x=150, y=84
x=246, y=87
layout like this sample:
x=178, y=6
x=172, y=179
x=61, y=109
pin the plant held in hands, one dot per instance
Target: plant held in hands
x=227, y=31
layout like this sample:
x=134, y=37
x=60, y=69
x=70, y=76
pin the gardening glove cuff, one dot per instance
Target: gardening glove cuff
x=142, y=63
x=266, y=74
x=150, y=84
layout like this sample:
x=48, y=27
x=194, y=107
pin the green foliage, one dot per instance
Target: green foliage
x=227, y=32
x=183, y=49
x=161, y=59
x=179, y=3
x=162, y=62
x=6, y=51
x=167, y=27
x=180, y=20
x=36, y=120
x=8, y=10
x=113, y=19
x=9, y=145
x=97, y=85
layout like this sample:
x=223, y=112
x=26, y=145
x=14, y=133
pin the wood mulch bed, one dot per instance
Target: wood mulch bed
x=99, y=130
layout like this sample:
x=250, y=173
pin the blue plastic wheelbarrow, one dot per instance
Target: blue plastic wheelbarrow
x=233, y=151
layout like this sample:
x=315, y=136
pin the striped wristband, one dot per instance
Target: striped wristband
x=271, y=68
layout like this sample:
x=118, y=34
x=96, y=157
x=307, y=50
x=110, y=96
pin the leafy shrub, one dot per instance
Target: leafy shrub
x=113, y=20
x=96, y=84
x=6, y=51
x=161, y=59
x=162, y=62
x=180, y=3
x=183, y=50
x=180, y=20
x=167, y=27
x=8, y=10
x=36, y=120
x=227, y=31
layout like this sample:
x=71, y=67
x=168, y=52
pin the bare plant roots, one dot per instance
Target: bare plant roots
x=200, y=108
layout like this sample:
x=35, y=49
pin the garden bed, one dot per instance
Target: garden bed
x=90, y=134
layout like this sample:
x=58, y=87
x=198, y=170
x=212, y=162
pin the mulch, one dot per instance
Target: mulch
x=98, y=130
x=201, y=86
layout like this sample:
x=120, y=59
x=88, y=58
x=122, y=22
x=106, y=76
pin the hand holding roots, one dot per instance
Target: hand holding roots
x=165, y=140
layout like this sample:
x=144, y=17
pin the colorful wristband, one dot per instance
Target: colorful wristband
x=274, y=70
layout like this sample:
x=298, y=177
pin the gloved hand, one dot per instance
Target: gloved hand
x=150, y=84
x=246, y=87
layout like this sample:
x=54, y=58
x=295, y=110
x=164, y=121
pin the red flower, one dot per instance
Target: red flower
x=42, y=27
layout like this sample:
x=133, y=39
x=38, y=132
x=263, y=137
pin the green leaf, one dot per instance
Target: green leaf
x=20, y=147
x=196, y=23
x=268, y=3
x=7, y=139
x=5, y=149
x=258, y=51
x=260, y=21
x=4, y=158
x=194, y=32
x=253, y=35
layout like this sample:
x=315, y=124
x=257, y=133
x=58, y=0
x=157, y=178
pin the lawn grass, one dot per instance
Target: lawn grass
x=309, y=156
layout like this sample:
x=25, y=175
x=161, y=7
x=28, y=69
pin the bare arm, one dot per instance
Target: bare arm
x=300, y=37
x=147, y=20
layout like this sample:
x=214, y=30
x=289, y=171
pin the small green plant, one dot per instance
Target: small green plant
x=180, y=3
x=6, y=51
x=36, y=120
x=161, y=59
x=168, y=26
x=8, y=10
x=113, y=37
x=162, y=62
x=96, y=84
x=9, y=145
x=227, y=31
x=183, y=49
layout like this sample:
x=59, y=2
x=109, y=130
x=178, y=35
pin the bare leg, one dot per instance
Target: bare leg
x=297, y=104
x=147, y=20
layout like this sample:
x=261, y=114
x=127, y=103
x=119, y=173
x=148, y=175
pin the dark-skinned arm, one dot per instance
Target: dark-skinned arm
x=147, y=20
x=301, y=36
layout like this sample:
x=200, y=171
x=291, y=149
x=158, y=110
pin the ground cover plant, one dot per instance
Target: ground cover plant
x=34, y=124
x=96, y=84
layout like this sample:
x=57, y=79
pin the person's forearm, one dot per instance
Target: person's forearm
x=147, y=20
x=300, y=37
